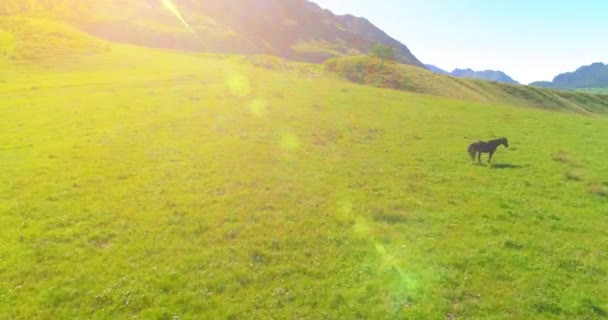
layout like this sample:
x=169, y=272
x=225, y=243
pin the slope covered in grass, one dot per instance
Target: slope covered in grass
x=595, y=90
x=41, y=41
x=158, y=185
x=294, y=29
x=367, y=70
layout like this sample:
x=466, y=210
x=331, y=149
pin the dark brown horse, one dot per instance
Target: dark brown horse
x=479, y=147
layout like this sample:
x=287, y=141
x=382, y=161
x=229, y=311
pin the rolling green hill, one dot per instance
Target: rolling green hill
x=40, y=41
x=154, y=184
x=594, y=90
x=367, y=70
x=294, y=29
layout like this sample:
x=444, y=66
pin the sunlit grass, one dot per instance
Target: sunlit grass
x=143, y=183
x=44, y=42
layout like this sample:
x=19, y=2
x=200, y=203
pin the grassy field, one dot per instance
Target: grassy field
x=138, y=183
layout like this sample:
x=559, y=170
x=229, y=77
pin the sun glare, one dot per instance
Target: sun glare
x=173, y=9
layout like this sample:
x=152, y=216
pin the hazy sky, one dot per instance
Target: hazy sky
x=530, y=40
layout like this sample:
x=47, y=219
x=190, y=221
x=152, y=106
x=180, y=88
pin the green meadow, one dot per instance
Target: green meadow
x=149, y=184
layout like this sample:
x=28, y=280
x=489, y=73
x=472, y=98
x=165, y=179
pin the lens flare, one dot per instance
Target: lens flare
x=173, y=9
x=238, y=84
x=403, y=285
x=345, y=210
x=289, y=142
x=258, y=107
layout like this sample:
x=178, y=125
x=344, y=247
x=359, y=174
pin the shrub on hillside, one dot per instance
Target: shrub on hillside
x=366, y=70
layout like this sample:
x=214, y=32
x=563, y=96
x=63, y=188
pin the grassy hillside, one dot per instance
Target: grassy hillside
x=41, y=41
x=367, y=70
x=595, y=90
x=294, y=29
x=159, y=185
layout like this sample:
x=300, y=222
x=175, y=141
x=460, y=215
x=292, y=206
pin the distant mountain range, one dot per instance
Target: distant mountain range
x=436, y=69
x=293, y=29
x=489, y=75
x=585, y=77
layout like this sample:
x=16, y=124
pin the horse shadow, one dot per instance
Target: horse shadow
x=506, y=166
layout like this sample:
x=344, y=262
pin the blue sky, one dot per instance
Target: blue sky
x=528, y=39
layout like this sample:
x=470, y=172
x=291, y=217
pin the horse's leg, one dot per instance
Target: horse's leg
x=479, y=157
x=490, y=159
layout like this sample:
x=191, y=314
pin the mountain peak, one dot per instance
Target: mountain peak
x=594, y=75
x=490, y=75
x=456, y=70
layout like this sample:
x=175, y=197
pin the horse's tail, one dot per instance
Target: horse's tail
x=472, y=151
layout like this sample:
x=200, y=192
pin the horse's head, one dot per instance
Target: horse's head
x=505, y=142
